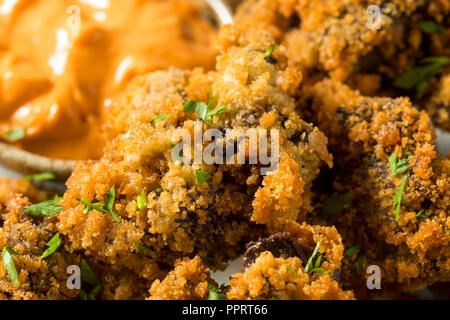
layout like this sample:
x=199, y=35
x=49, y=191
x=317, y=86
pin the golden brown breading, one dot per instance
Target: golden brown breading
x=186, y=217
x=46, y=278
x=188, y=281
x=322, y=36
x=364, y=132
x=275, y=267
x=333, y=39
x=38, y=278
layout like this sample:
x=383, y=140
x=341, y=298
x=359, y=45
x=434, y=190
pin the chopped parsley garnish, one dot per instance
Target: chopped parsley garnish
x=106, y=206
x=292, y=270
x=88, y=276
x=89, y=206
x=419, y=77
x=359, y=263
x=268, y=52
x=158, y=190
x=141, y=201
x=398, y=165
x=317, y=267
x=320, y=270
x=214, y=293
x=44, y=209
x=39, y=177
x=14, y=134
x=397, y=201
x=159, y=118
x=8, y=262
x=421, y=215
x=204, y=110
x=202, y=176
x=430, y=27
x=90, y=295
x=352, y=251
x=309, y=265
x=337, y=203
x=52, y=245
x=142, y=249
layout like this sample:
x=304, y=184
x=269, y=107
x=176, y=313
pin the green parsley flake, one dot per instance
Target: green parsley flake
x=141, y=201
x=292, y=270
x=320, y=271
x=39, y=177
x=398, y=165
x=202, y=109
x=309, y=264
x=268, y=53
x=430, y=27
x=52, y=245
x=352, y=251
x=158, y=190
x=336, y=203
x=89, y=206
x=359, y=263
x=418, y=78
x=397, y=201
x=88, y=276
x=107, y=206
x=421, y=215
x=90, y=295
x=14, y=135
x=44, y=209
x=202, y=176
x=159, y=118
x=142, y=249
x=214, y=293
x=8, y=263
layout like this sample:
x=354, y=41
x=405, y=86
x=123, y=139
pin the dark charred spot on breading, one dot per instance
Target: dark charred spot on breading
x=279, y=244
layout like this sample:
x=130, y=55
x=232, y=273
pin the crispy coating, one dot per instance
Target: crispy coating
x=364, y=132
x=188, y=281
x=187, y=218
x=38, y=278
x=267, y=277
x=285, y=279
x=284, y=276
x=333, y=39
x=47, y=278
x=322, y=36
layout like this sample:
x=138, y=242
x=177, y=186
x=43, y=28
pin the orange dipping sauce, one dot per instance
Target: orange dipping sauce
x=62, y=63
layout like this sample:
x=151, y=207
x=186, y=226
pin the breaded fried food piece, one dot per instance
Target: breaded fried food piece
x=46, y=278
x=323, y=37
x=38, y=278
x=276, y=267
x=371, y=138
x=183, y=216
x=188, y=281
